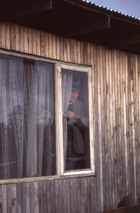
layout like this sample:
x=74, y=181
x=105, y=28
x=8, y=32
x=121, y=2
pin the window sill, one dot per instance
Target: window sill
x=68, y=175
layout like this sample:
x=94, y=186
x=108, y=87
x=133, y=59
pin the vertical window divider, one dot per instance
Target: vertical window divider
x=92, y=154
x=58, y=117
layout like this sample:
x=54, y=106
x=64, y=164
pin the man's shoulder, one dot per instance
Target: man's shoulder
x=77, y=106
x=77, y=102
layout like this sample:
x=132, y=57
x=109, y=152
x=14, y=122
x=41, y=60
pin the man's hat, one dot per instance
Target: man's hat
x=76, y=85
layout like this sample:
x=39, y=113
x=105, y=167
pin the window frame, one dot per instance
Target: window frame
x=59, y=123
x=58, y=66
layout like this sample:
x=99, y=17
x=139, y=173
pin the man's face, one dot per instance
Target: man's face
x=74, y=95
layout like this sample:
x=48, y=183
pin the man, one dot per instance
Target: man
x=76, y=121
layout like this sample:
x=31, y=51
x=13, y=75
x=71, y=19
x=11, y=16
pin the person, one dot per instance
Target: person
x=76, y=122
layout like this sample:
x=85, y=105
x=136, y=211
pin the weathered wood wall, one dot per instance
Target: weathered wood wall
x=116, y=95
x=117, y=125
x=51, y=196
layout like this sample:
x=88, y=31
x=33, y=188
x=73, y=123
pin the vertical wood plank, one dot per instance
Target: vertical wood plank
x=75, y=51
x=23, y=203
x=105, y=85
x=126, y=115
x=2, y=34
x=38, y=42
x=65, y=50
x=30, y=44
x=36, y=197
x=61, y=49
x=115, y=128
x=78, y=52
x=129, y=122
x=102, y=116
x=57, y=48
x=46, y=45
x=12, y=37
x=54, y=46
x=12, y=198
x=7, y=35
x=88, y=54
x=21, y=39
x=85, y=53
x=112, y=123
x=134, y=143
x=68, y=50
x=83, y=195
x=28, y=197
x=41, y=196
x=100, y=121
x=19, y=198
x=48, y=198
x=124, y=125
x=60, y=200
x=4, y=199
x=72, y=50
x=74, y=198
x=136, y=117
x=57, y=196
x=42, y=44
x=131, y=125
x=52, y=190
x=50, y=47
x=70, y=189
x=44, y=197
x=26, y=39
x=34, y=43
x=17, y=32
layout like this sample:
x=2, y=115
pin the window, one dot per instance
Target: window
x=74, y=119
x=45, y=118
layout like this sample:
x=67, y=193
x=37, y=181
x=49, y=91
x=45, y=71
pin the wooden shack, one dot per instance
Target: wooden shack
x=77, y=35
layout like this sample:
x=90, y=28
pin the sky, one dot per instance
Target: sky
x=130, y=7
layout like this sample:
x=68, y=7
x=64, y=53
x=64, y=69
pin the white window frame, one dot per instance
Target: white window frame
x=59, y=120
x=58, y=66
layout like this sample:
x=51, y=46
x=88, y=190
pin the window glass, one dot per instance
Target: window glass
x=27, y=147
x=75, y=119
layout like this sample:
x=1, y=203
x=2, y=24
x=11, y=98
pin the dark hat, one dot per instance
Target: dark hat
x=76, y=85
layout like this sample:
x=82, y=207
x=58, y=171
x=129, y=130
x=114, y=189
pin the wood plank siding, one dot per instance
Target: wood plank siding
x=67, y=195
x=116, y=97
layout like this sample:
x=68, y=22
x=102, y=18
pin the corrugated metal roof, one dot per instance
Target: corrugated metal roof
x=110, y=10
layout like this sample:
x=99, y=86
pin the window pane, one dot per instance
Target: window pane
x=26, y=118
x=75, y=119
